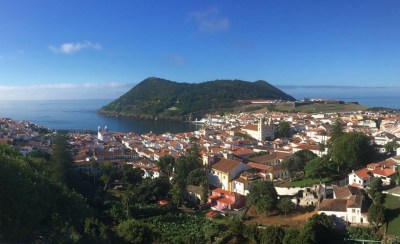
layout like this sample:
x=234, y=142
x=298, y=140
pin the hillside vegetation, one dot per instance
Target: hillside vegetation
x=156, y=98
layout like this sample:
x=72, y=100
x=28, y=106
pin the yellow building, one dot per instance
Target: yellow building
x=224, y=171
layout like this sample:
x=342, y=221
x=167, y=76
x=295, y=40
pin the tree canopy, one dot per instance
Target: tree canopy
x=263, y=196
x=351, y=151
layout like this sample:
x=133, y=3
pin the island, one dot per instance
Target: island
x=156, y=98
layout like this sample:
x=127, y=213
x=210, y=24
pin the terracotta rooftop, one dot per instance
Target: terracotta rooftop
x=346, y=192
x=363, y=173
x=269, y=157
x=251, y=127
x=336, y=205
x=225, y=165
x=354, y=201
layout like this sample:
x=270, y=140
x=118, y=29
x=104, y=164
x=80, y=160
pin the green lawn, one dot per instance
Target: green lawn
x=392, y=205
x=322, y=108
x=307, y=182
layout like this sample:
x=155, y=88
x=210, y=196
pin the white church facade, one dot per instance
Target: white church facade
x=261, y=131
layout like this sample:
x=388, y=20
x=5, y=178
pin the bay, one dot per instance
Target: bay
x=81, y=115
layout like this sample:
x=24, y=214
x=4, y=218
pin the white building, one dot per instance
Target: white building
x=347, y=205
x=261, y=131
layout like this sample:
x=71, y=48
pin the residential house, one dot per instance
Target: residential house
x=347, y=204
x=221, y=200
x=223, y=171
x=385, y=170
x=241, y=184
x=274, y=158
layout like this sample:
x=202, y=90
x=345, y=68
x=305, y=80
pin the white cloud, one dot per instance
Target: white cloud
x=210, y=21
x=72, y=47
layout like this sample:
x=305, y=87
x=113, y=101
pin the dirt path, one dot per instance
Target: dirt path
x=296, y=219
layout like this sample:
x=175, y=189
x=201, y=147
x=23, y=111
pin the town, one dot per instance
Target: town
x=290, y=151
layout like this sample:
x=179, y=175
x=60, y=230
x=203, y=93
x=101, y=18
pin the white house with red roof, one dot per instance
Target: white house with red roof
x=385, y=170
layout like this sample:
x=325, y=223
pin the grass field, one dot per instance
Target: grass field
x=307, y=182
x=327, y=108
x=323, y=108
x=392, y=205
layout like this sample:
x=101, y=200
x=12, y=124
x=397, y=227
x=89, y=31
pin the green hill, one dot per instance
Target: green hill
x=156, y=98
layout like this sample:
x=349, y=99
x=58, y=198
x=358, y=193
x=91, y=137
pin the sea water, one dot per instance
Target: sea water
x=82, y=115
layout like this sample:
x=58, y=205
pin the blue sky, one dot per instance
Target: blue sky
x=99, y=49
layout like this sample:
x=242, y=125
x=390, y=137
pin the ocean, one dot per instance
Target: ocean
x=81, y=114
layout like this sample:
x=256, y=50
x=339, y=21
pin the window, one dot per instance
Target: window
x=354, y=180
x=353, y=210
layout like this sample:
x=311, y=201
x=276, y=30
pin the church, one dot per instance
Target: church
x=261, y=131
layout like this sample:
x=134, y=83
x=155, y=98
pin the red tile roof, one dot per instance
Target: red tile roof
x=225, y=165
x=251, y=127
x=363, y=173
x=336, y=205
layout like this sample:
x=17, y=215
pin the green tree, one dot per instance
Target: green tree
x=282, y=130
x=305, y=155
x=166, y=164
x=352, y=150
x=337, y=130
x=251, y=233
x=318, y=229
x=132, y=176
x=272, y=235
x=319, y=168
x=96, y=232
x=210, y=232
x=151, y=190
x=204, y=191
x=196, y=177
x=291, y=236
x=286, y=205
x=58, y=213
x=62, y=162
x=293, y=164
x=134, y=231
x=391, y=147
x=108, y=173
x=263, y=196
x=375, y=191
x=364, y=233
x=178, y=190
x=235, y=224
x=185, y=165
x=296, y=162
x=376, y=214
